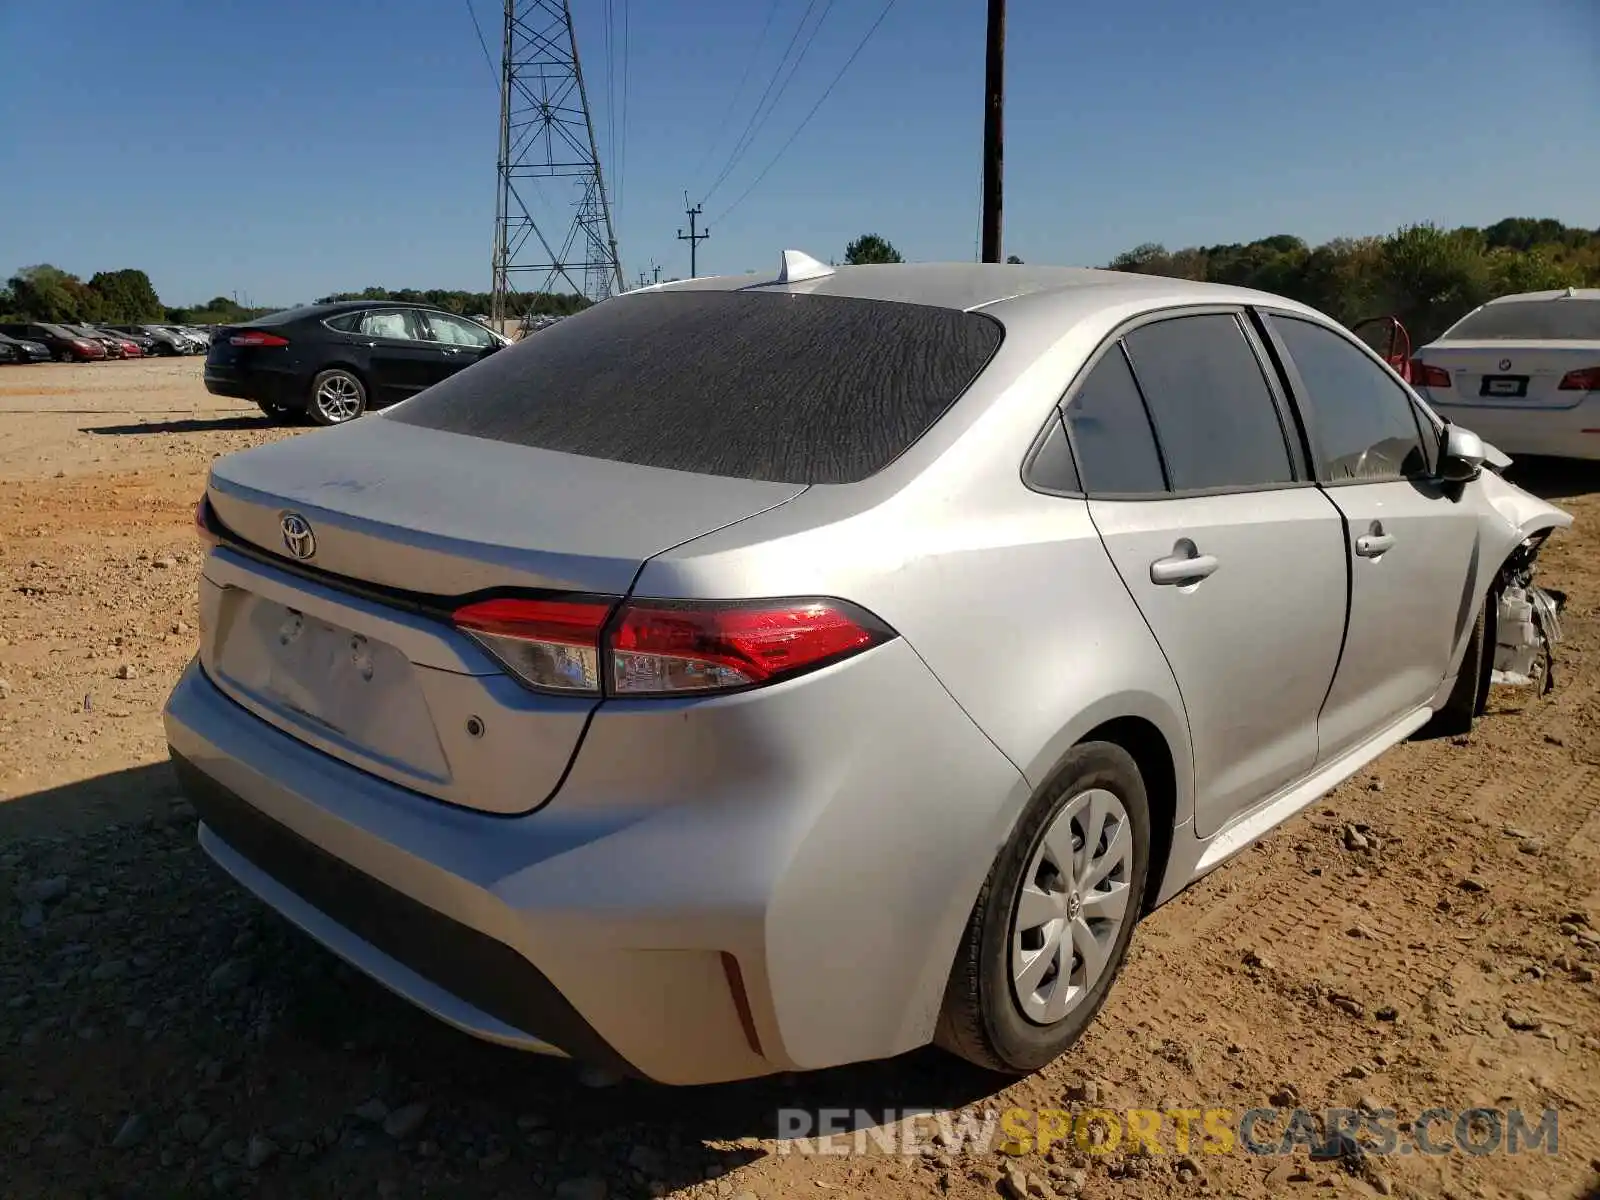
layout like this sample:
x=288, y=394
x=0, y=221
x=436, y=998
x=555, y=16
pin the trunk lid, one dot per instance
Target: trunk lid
x=1509, y=374
x=316, y=648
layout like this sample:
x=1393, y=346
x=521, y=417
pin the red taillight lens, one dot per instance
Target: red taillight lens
x=1427, y=375
x=257, y=339
x=202, y=522
x=669, y=648
x=665, y=647
x=1586, y=380
x=552, y=644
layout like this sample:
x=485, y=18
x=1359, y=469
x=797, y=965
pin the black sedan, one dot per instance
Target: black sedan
x=23, y=350
x=334, y=361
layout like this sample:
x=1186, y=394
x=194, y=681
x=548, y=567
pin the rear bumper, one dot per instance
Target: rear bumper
x=1555, y=432
x=261, y=387
x=667, y=915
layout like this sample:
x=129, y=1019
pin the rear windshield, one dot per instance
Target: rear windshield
x=769, y=386
x=1566, y=320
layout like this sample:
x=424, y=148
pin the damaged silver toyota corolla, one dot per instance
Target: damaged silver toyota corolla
x=750, y=676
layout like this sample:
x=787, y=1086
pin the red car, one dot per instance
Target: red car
x=65, y=344
x=118, y=345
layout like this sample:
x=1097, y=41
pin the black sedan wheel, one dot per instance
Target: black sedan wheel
x=337, y=396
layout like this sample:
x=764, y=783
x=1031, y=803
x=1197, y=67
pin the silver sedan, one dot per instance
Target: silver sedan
x=751, y=677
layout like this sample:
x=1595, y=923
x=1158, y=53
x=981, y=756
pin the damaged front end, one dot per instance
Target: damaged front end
x=1527, y=617
x=1527, y=622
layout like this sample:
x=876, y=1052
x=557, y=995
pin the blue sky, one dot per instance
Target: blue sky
x=289, y=149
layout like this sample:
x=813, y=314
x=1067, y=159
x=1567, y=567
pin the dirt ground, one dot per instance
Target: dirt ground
x=164, y=1036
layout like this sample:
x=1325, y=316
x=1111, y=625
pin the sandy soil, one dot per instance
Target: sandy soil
x=165, y=1036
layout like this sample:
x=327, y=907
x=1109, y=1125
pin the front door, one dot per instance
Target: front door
x=1235, y=560
x=457, y=343
x=1411, y=545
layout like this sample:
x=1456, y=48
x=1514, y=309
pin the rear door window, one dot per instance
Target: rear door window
x=394, y=324
x=1115, y=448
x=755, y=385
x=1214, y=415
x=1364, y=422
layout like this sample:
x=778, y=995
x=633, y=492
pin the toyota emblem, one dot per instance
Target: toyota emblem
x=1505, y=364
x=297, y=536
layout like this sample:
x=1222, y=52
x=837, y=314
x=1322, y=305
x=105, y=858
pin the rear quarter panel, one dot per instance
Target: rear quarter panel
x=1005, y=594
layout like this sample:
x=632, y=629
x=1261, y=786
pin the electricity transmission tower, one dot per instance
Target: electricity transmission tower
x=547, y=137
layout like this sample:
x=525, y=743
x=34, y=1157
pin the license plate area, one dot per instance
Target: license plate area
x=354, y=695
x=1504, y=387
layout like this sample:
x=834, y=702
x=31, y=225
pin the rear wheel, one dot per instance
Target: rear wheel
x=1051, y=927
x=337, y=396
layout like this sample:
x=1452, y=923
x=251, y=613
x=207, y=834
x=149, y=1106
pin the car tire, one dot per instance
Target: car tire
x=1470, y=695
x=337, y=396
x=1000, y=1012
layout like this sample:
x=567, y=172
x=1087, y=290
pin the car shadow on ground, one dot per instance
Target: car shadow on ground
x=1555, y=479
x=190, y=425
x=149, y=945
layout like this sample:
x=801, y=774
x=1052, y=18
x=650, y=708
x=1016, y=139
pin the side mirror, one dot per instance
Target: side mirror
x=1461, y=454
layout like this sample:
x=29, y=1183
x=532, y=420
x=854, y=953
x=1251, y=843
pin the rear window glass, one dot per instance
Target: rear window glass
x=1567, y=320
x=768, y=386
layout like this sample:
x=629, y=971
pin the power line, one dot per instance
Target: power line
x=482, y=43
x=744, y=138
x=854, y=54
x=749, y=65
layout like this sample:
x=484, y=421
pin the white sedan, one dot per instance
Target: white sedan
x=1522, y=372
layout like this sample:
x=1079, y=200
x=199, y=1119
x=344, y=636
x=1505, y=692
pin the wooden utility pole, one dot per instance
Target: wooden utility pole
x=993, y=129
x=694, y=239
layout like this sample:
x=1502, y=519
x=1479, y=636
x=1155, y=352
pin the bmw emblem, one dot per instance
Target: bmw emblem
x=297, y=536
x=1505, y=364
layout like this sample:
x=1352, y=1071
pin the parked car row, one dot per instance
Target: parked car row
x=23, y=341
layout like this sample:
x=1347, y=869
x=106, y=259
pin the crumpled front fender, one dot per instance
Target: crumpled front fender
x=1524, y=512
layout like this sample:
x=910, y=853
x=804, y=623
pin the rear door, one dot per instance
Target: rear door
x=1234, y=557
x=1411, y=544
x=399, y=356
x=456, y=343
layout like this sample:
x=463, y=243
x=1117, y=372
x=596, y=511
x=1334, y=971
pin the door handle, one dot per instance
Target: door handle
x=1370, y=545
x=1181, y=568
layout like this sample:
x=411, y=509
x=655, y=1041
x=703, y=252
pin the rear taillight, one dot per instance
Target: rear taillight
x=666, y=647
x=1427, y=375
x=549, y=644
x=257, y=339
x=1586, y=380
x=202, y=522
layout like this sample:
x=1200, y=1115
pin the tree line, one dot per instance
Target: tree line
x=127, y=297
x=560, y=304
x=1426, y=276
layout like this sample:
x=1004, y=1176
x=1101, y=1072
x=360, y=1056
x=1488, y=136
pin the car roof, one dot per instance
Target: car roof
x=989, y=286
x=311, y=312
x=1567, y=293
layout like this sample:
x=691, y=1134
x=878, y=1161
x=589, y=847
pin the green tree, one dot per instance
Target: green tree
x=125, y=296
x=1427, y=276
x=47, y=293
x=870, y=248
